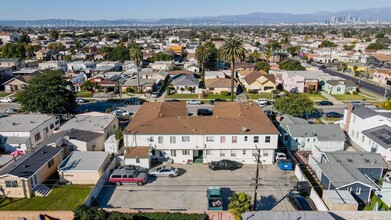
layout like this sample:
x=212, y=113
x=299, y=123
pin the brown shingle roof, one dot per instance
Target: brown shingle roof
x=219, y=83
x=382, y=58
x=252, y=77
x=228, y=118
x=140, y=152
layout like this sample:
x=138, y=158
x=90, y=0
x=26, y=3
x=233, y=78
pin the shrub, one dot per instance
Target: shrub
x=355, y=92
x=108, y=110
x=225, y=93
x=252, y=91
x=275, y=91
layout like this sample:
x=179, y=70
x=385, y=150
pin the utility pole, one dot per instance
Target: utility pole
x=258, y=158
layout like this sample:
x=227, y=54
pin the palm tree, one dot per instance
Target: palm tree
x=137, y=57
x=202, y=55
x=231, y=51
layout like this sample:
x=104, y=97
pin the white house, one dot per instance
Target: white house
x=235, y=132
x=369, y=129
x=128, y=64
x=162, y=65
x=80, y=65
x=53, y=65
x=24, y=132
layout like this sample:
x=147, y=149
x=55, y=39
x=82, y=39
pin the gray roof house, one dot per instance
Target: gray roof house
x=182, y=82
x=300, y=135
x=352, y=171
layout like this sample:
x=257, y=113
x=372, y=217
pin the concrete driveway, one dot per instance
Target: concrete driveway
x=188, y=191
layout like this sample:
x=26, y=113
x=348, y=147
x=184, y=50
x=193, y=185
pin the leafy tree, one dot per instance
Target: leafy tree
x=293, y=50
x=202, y=55
x=290, y=65
x=214, y=54
x=380, y=35
x=175, y=41
x=24, y=39
x=68, y=58
x=89, y=86
x=54, y=34
x=31, y=49
x=327, y=43
x=295, y=104
x=231, y=51
x=137, y=56
x=11, y=50
x=47, y=93
x=56, y=46
x=386, y=105
x=118, y=53
x=377, y=46
x=84, y=212
x=262, y=65
x=257, y=44
x=274, y=45
x=239, y=204
x=348, y=47
x=161, y=57
x=254, y=57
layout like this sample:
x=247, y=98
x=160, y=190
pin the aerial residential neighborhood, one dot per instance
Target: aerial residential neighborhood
x=187, y=113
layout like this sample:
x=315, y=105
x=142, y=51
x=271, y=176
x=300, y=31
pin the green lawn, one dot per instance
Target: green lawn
x=316, y=97
x=182, y=96
x=351, y=97
x=84, y=94
x=262, y=95
x=4, y=94
x=62, y=198
x=218, y=96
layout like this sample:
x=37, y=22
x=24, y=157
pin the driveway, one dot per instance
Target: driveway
x=188, y=191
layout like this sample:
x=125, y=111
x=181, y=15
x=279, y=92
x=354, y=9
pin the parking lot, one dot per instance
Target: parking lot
x=188, y=191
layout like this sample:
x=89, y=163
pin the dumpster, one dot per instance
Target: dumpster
x=215, y=201
x=285, y=164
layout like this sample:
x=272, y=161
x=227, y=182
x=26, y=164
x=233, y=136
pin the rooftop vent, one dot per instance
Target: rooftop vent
x=244, y=129
x=32, y=121
x=25, y=166
x=366, y=160
x=44, y=152
x=350, y=160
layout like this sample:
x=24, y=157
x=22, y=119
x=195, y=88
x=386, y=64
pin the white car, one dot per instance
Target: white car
x=120, y=112
x=7, y=99
x=280, y=156
x=154, y=95
x=11, y=111
x=262, y=101
x=193, y=102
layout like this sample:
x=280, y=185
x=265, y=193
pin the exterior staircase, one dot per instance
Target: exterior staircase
x=41, y=190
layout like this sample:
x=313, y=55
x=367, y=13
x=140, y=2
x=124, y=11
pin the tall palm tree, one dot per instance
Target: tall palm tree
x=202, y=55
x=231, y=51
x=137, y=57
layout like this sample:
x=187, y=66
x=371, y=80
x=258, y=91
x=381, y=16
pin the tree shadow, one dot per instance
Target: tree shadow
x=266, y=203
x=102, y=200
x=181, y=171
x=226, y=194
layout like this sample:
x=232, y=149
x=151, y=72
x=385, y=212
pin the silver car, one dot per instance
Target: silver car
x=164, y=171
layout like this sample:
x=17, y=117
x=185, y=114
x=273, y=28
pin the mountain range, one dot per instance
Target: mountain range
x=372, y=14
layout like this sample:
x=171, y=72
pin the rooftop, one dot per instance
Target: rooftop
x=365, y=112
x=22, y=123
x=381, y=135
x=83, y=161
x=84, y=136
x=92, y=121
x=140, y=152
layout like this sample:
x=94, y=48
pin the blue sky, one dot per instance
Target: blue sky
x=154, y=9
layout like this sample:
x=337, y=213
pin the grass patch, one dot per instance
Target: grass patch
x=351, y=97
x=84, y=94
x=182, y=96
x=62, y=198
x=4, y=94
x=262, y=95
x=316, y=97
x=380, y=203
x=332, y=120
x=217, y=96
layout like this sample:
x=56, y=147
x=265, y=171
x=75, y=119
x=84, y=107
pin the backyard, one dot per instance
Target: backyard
x=63, y=198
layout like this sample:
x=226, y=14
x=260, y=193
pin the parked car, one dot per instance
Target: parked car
x=212, y=102
x=193, y=102
x=120, y=112
x=11, y=111
x=280, y=156
x=154, y=95
x=333, y=115
x=81, y=100
x=324, y=103
x=262, y=101
x=299, y=202
x=225, y=165
x=134, y=167
x=164, y=171
x=215, y=201
x=357, y=103
x=270, y=113
x=204, y=112
x=173, y=100
x=7, y=99
x=128, y=176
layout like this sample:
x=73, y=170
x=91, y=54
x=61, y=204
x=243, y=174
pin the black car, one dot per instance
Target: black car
x=324, y=103
x=204, y=112
x=173, y=100
x=334, y=115
x=300, y=203
x=133, y=167
x=225, y=165
x=212, y=102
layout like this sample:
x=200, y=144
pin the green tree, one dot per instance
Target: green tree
x=214, y=54
x=54, y=34
x=202, y=55
x=11, y=50
x=293, y=50
x=89, y=86
x=290, y=65
x=262, y=65
x=137, y=57
x=380, y=35
x=377, y=46
x=231, y=51
x=24, y=39
x=56, y=46
x=274, y=45
x=327, y=43
x=31, y=49
x=119, y=136
x=239, y=204
x=47, y=93
x=295, y=104
x=348, y=47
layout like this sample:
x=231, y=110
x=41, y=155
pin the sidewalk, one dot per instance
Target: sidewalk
x=331, y=98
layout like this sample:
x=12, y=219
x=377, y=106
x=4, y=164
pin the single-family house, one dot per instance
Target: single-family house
x=83, y=167
x=163, y=65
x=339, y=87
x=186, y=83
x=12, y=62
x=259, y=81
x=218, y=85
x=215, y=74
x=379, y=61
x=5, y=75
x=80, y=65
x=16, y=84
x=26, y=72
x=301, y=81
x=244, y=66
x=62, y=65
x=382, y=76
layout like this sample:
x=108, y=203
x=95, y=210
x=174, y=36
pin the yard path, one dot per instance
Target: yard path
x=331, y=98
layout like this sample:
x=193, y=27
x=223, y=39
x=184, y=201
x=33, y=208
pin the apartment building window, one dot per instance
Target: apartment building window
x=210, y=139
x=46, y=130
x=160, y=139
x=254, y=153
x=265, y=153
x=37, y=136
x=51, y=163
x=267, y=139
x=185, y=138
x=173, y=153
x=137, y=160
x=222, y=153
x=245, y=138
x=150, y=139
x=234, y=139
x=222, y=139
x=244, y=152
x=11, y=184
x=358, y=190
x=185, y=152
x=256, y=139
x=51, y=126
x=349, y=189
x=233, y=153
x=362, y=138
x=209, y=152
x=172, y=139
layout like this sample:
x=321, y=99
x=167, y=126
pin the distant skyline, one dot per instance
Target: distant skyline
x=157, y=9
